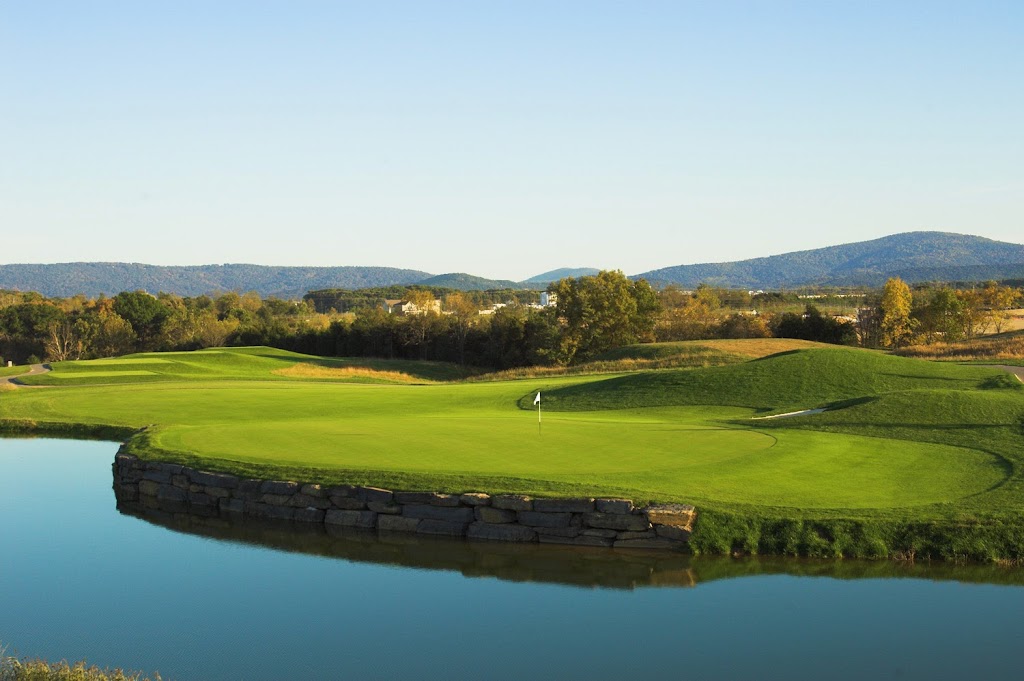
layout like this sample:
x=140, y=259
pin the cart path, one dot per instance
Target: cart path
x=34, y=370
x=1016, y=371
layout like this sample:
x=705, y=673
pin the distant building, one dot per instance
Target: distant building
x=548, y=299
x=493, y=308
x=405, y=307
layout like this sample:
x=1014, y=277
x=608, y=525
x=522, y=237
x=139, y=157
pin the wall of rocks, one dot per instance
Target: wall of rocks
x=504, y=517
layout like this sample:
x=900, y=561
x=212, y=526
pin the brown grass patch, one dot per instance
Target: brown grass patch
x=756, y=348
x=985, y=349
x=7, y=385
x=617, y=366
x=1015, y=322
x=353, y=374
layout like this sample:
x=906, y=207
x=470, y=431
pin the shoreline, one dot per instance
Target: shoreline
x=580, y=521
x=728, y=530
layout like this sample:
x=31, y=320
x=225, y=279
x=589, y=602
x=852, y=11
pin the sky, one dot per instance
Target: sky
x=502, y=138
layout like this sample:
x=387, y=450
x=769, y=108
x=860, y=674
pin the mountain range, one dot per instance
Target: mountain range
x=913, y=256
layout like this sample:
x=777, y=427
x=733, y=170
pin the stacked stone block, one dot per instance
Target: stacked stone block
x=503, y=517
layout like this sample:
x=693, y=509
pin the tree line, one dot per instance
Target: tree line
x=930, y=314
x=592, y=315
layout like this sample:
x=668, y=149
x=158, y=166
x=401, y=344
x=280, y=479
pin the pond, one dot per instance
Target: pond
x=208, y=599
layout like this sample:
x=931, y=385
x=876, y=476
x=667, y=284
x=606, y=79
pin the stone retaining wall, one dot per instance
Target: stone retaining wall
x=503, y=517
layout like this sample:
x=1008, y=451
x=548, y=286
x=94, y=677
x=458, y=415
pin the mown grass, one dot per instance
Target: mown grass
x=912, y=457
x=790, y=381
x=13, y=371
x=237, y=364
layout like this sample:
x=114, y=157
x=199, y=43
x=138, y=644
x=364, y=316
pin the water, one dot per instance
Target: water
x=208, y=600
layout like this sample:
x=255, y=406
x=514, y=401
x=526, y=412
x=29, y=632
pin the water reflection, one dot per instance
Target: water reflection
x=565, y=565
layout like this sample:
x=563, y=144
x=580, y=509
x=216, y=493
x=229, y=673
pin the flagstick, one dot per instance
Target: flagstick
x=538, y=418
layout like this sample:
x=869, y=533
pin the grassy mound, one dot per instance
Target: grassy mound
x=789, y=381
x=728, y=350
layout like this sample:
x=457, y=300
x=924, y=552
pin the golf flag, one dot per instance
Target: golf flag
x=536, y=401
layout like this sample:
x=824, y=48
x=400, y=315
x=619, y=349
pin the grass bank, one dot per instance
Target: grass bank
x=28, y=669
x=910, y=459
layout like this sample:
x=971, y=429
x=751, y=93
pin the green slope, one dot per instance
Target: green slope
x=795, y=380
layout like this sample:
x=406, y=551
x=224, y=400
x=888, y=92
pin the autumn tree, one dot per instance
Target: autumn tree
x=64, y=341
x=689, y=316
x=463, y=313
x=998, y=299
x=897, y=326
x=419, y=322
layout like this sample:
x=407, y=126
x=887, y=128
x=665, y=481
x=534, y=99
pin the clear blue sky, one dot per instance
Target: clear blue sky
x=502, y=138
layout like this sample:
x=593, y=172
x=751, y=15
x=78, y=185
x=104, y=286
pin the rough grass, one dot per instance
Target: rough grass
x=912, y=458
x=746, y=348
x=348, y=373
x=1006, y=348
x=681, y=361
x=673, y=355
x=14, y=669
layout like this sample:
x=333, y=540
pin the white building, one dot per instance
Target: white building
x=548, y=299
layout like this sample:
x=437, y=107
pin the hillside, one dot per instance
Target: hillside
x=93, y=278
x=461, y=281
x=914, y=256
x=917, y=256
x=561, y=273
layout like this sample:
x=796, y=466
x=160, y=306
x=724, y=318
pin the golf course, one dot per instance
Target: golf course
x=908, y=457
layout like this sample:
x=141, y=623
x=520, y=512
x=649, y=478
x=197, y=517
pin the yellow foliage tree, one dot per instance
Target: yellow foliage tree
x=897, y=325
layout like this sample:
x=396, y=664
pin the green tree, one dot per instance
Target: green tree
x=107, y=334
x=602, y=312
x=145, y=313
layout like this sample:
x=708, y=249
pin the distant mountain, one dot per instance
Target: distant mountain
x=914, y=256
x=467, y=282
x=562, y=273
x=93, y=278
x=966, y=273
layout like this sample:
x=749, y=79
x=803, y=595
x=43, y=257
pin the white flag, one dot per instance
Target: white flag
x=536, y=400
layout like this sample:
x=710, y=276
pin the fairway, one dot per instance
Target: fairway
x=243, y=410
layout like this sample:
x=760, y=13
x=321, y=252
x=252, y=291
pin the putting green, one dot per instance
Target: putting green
x=440, y=436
